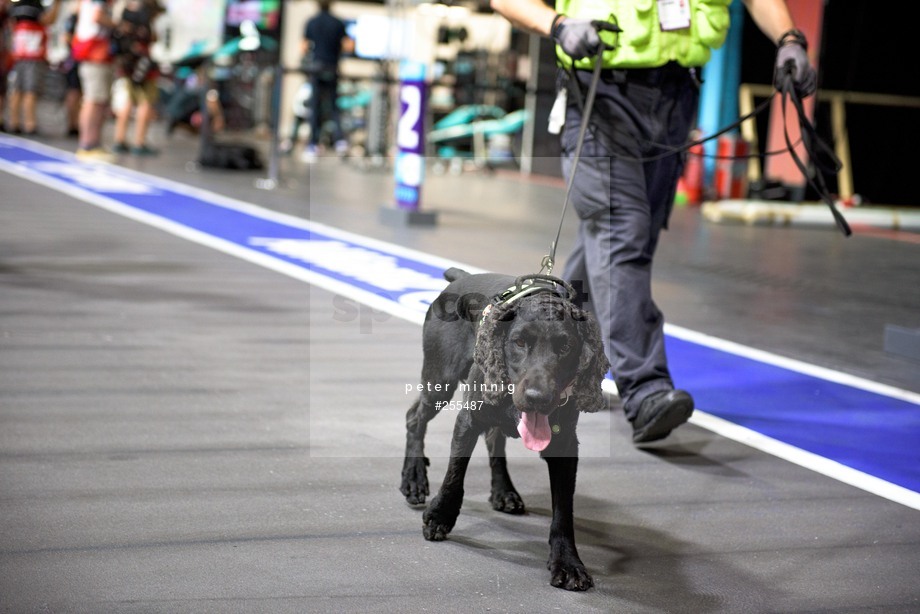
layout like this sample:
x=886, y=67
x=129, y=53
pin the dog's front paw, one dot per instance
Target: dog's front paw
x=435, y=532
x=508, y=501
x=572, y=576
x=439, y=519
x=414, y=480
x=435, y=529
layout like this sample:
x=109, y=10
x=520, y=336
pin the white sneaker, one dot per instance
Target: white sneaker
x=96, y=154
x=309, y=154
x=341, y=147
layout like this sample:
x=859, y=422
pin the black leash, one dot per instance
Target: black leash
x=549, y=260
x=830, y=163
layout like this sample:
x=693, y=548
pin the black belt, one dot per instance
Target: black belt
x=672, y=72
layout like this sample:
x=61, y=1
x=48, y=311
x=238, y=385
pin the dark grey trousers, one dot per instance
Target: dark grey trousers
x=623, y=204
x=324, y=106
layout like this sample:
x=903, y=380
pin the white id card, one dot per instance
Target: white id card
x=557, y=113
x=673, y=14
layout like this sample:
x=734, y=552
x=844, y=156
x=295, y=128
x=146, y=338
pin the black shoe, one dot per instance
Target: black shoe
x=144, y=150
x=660, y=413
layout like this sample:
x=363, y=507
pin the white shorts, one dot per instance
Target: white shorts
x=96, y=80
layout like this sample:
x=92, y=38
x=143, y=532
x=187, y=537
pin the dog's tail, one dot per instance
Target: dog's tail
x=453, y=274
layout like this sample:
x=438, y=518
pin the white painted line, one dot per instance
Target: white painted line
x=813, y=462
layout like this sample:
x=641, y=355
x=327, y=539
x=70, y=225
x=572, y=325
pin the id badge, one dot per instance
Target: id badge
x=557, y=113
x=673, y=14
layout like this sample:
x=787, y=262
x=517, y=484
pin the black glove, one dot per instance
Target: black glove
x=577, y=37
x=792, y=60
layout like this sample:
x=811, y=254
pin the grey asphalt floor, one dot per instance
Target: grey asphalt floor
x=183, y=431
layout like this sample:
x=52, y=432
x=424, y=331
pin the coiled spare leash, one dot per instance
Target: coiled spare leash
x=829, y=163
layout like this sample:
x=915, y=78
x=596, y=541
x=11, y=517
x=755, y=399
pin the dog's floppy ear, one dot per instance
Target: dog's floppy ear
x=490, y=352
x=593, y=364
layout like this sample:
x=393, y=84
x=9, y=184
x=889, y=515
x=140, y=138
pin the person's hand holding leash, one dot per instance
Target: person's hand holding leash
x=792, y=61
x=577, y=37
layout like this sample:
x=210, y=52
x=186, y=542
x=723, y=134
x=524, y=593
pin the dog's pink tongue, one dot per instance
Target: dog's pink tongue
x=534, y=430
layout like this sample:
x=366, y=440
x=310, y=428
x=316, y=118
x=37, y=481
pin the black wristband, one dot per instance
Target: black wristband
x=794, y=37
x=553, y=26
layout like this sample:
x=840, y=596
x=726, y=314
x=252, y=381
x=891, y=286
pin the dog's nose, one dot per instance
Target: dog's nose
x=536, y=396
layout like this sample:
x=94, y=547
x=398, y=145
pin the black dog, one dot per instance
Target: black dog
x=527, y=360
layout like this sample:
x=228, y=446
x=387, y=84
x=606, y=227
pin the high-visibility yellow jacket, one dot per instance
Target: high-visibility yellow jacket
x=642, y=43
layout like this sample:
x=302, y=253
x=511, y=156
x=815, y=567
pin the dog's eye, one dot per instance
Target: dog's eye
x=562, y=345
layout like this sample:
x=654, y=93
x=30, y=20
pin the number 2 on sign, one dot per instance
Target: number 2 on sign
x=407, y=135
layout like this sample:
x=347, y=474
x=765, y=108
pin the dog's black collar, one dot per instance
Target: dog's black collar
x=531, y=284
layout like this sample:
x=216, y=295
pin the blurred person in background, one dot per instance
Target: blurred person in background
x=324, y=40
x=135, y=90
x=91, y=47
x=73, y=92
x=29, y=57
x=4, y=59
x=193, y=100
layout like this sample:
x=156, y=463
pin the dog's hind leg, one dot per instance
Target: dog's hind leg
x=444, y=508
x=504, y=497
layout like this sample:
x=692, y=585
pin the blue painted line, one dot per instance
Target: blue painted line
x=869, y=432
x=874, y=433
x=404, y=280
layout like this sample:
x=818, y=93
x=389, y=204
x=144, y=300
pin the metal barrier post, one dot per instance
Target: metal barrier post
x=410, y=157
